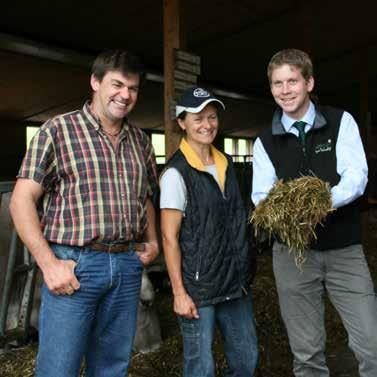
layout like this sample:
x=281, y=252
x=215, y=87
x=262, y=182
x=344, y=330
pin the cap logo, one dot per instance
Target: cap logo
x=199, y=92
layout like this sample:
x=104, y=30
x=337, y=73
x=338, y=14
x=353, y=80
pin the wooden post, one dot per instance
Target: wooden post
x=173, y=38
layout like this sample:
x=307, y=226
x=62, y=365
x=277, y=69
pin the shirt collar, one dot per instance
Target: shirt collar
x=96, y=122
x=193, y=159
x=308, y=118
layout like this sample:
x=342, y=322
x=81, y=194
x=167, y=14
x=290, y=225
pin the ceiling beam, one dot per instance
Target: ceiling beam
x=220, y=37
x=39, y=50
x=49, y=108
x=35, y=49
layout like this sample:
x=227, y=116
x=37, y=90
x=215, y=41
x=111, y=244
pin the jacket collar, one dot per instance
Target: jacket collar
x=278, y=128
x=194, y=161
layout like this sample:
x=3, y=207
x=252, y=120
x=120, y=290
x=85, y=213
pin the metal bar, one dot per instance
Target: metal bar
x=27, y=256
x=6, y=186
x=8, y=282
x=27, y=298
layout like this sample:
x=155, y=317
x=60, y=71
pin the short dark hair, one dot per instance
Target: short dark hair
x=123, y=61
x=182, y=115
x=291, y=56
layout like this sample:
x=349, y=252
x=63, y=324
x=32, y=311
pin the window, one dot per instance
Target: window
x=240, y=149
x=158, y=142
x=30, y=132
x=228, y=146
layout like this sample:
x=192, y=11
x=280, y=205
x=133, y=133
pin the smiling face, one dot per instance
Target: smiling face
x=114, y=96
x=201, y=128
x=290, y=90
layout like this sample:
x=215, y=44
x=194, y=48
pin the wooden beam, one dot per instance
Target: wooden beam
x=173, y=38
x=219, y=37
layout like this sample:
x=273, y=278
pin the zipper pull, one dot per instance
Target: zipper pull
x=197, y=275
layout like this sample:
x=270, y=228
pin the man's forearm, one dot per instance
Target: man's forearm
x=264, y=175
x=26, y=221
x=58, y=274
x=27, y=224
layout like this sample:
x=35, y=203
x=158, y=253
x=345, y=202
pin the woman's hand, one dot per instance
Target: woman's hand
x=185, y=307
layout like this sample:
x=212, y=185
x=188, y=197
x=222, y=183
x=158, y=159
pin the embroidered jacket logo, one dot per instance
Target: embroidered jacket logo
x=325, y=147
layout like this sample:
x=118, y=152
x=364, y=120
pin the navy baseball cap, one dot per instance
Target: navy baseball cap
x=194, y=100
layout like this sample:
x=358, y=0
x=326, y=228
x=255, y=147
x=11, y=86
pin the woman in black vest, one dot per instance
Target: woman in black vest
x=203, y=223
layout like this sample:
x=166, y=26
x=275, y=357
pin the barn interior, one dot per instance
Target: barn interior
x=46, y=51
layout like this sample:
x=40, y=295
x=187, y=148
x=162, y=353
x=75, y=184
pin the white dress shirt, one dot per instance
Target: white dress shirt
x=351, y=161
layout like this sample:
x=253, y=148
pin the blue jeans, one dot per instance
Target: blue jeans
x=98, y=321
x=235, y=320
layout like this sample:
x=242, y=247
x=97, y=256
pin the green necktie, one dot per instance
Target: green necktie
x=300, y=126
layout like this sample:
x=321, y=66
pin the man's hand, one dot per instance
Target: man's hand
x=60, y=278
x=185, y=307
x=150, y=252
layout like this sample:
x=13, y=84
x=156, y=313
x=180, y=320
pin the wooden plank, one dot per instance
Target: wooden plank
x=184, y=76
x=173, y=39
x=187, y=57
x=187, y=67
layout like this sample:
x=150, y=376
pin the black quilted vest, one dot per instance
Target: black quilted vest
x=216, y=262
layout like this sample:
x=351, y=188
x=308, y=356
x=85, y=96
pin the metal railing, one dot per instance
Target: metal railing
x=15, y=268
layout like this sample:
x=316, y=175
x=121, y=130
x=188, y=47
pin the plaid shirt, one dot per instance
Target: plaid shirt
x=91, y=191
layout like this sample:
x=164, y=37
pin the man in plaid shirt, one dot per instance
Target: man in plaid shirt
x=82, y=205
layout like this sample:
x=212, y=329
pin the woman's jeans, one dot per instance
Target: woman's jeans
x=235, y=320
x=97, y=322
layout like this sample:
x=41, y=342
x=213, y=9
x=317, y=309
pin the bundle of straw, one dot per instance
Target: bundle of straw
x=291, y=211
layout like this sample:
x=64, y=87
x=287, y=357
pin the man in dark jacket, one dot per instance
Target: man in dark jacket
x=308, y=139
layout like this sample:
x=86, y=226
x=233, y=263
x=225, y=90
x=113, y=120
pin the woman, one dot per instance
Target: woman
x=203, y=225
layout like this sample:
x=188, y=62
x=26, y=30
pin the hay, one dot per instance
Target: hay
x=291, y=212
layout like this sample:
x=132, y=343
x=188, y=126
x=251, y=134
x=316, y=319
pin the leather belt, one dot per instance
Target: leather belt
x=117, y=247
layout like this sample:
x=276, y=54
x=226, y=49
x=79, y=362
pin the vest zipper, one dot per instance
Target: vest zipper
x=197, y=272
x=217, y=184
x=243, y=289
